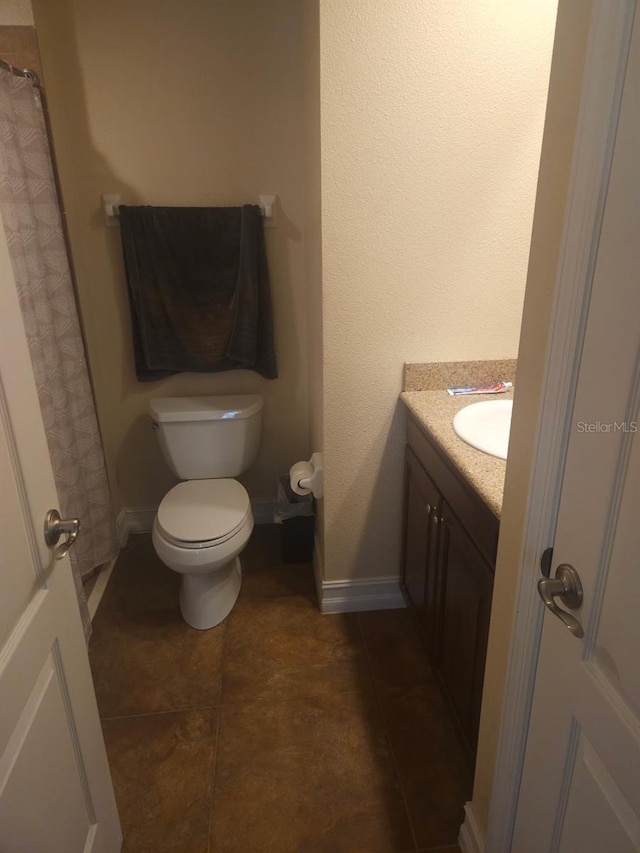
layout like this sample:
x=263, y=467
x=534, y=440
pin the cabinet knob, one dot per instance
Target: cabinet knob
x=432, y=514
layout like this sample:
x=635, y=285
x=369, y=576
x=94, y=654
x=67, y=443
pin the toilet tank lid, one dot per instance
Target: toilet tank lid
x=234, y=407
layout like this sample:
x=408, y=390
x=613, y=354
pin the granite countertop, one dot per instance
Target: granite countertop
x=434, y=410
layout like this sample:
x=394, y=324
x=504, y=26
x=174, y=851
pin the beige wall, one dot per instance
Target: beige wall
x=560, y=125
x=174, y=103
x=418, y=128
x=431, y=123
x=16, y=13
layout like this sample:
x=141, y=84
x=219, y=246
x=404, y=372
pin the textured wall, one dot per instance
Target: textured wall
x=564, y=95
x=16, y=13
x=178, y=103
x=431, y=126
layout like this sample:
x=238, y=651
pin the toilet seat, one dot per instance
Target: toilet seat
x=203, y=513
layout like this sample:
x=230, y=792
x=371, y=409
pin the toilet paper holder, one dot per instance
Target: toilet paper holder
x=307, y=477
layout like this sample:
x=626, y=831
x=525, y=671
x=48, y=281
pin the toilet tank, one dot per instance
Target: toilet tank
x=205, y=438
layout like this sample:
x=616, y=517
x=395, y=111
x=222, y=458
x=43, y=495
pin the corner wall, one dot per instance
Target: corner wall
x=179, y=104
x=16, y=13
x=431, y=124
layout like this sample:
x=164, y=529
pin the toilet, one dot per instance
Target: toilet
x=203, y=524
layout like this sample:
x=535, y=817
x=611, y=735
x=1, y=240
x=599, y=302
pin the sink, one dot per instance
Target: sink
x=486, y=426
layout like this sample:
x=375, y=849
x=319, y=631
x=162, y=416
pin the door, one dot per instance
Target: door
x=581, y=782
x=55, y=788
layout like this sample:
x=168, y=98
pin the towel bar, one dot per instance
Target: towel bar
x=111, y=206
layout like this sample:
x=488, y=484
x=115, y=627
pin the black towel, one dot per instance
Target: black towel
x=199, y=290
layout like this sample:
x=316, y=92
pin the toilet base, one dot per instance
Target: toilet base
x=207, y=599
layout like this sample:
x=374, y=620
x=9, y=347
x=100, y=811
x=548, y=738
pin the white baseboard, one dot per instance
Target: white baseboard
x=318, y=567
x=351, y=596
x=122, y=530
x=130, y=520
x=470, y=840
x=139, y=519
x=346, y=596
x=97, y=591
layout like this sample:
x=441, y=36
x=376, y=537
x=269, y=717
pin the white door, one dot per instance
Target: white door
x=580, y=791
x=56, y=794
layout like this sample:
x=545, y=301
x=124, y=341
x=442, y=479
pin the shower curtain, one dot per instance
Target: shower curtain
x=31, y=218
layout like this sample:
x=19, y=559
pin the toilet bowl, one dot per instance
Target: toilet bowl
x=203, y=524
x=200, y=529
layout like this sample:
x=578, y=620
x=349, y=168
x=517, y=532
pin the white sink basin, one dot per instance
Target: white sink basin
x=486, y=426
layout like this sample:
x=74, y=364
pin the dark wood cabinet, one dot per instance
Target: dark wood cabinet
x=449, y=548
x=467, y=586
x=423, y=506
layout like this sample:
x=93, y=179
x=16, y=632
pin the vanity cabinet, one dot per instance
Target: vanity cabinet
x=465, y=608
x=449, y=548
x=423, y=507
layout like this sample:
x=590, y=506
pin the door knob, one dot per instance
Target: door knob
x=55, y=527
x=566, y=585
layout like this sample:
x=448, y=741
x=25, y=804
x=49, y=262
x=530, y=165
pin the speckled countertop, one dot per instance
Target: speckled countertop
x=434, y=410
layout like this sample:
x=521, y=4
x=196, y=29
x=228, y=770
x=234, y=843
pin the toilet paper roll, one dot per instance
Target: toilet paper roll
x=300, y=471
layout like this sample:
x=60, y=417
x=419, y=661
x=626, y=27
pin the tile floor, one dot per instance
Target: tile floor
x=280, y=731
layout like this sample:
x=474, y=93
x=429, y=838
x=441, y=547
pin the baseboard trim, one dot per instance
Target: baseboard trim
x=318, y=567
x=470, y=840
x=139, y=519
x=99, y=587
x=355, y=596
x=122, y=529
x=351, y=596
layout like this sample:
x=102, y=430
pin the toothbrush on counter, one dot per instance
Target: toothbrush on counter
x=495, y=388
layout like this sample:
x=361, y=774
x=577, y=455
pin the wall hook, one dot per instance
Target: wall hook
x=268, y=206
x=111, y=207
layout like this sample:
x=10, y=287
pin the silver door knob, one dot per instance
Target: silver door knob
x=566, y=585
x=55, y=527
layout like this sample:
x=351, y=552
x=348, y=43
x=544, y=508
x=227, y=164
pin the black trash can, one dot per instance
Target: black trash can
x=296, y=516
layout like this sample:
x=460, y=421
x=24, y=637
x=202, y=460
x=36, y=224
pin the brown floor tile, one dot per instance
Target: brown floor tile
x=395, y=649
x=140, y=581
x=432, y=768
x=161, y=767
x=285, y=648
x=264, y=575
x=448, y=849
x=312, y=775
x=153, y=661
x=304, y=760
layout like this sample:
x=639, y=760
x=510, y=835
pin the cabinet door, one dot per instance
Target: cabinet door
x=466, y=589
x=422, y=504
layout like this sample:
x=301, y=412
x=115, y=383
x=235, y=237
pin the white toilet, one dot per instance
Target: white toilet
x=203, y=524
